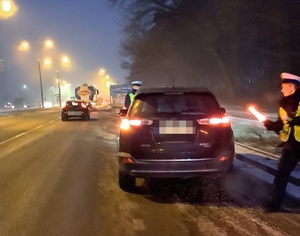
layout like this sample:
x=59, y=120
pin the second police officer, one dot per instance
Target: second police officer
x=129, y=96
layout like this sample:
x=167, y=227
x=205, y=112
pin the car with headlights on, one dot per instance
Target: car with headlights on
x=173, y=133
x=75, y=109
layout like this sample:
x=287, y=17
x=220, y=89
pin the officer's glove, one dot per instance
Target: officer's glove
x=294, y=121
x=268, y=124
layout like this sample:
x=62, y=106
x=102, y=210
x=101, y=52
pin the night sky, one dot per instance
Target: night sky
x=89, y=32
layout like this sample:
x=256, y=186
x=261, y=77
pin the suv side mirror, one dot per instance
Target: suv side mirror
x=123, y=112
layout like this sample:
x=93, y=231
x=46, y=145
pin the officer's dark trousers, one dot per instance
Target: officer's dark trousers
x=287, y=163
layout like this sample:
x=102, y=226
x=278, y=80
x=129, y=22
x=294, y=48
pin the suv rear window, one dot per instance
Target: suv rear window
x=189, y=104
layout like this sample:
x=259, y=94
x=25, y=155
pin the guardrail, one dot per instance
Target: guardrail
x=17, y=112
x=266, y=162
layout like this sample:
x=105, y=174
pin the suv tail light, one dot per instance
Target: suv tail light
x=126, y=123
x=64, y=105
x=215, y=121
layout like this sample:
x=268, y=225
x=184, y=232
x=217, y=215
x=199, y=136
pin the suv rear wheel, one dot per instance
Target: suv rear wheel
x=126, y=182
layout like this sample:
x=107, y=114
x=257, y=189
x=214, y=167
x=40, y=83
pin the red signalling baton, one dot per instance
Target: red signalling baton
x=258, y=115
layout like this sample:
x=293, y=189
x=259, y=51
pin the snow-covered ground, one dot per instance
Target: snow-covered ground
x=248, y=130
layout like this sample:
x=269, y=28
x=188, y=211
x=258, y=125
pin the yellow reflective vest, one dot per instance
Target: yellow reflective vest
x=286, y=129
x=131, y=96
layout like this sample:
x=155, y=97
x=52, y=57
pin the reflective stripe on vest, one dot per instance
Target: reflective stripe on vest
x=131, y=96
x=286, y=129
x=297, y=127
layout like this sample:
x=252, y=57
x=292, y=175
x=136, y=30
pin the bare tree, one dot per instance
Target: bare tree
x=236, y=47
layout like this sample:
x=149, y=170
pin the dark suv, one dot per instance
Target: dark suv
x=75, y=109
x=173, y=133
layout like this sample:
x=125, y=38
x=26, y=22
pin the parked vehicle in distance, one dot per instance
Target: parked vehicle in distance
x=9, y=106
x=75, y=109
x=173, y=133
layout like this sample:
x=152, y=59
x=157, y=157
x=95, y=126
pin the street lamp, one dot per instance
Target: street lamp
x=65, y=62
x=47, y=63
x=102, y=72
x=47, y=44
x=24, y=46
x=41, y=84
x=7, y=8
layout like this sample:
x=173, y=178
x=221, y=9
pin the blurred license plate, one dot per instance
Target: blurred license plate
x=74, y=113
x=176, y=127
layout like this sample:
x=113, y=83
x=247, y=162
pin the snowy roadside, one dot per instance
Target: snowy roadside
x=249, y=131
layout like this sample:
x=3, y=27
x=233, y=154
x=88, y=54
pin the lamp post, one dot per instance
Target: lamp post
x=41, y=84
x=47, y=63
x=65, y=62
x=25, y=46
x=58, y=84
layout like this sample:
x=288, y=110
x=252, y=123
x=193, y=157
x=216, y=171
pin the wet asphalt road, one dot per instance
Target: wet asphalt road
x=60, y=178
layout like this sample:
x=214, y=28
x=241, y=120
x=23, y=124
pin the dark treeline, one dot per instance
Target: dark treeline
x=237, y=48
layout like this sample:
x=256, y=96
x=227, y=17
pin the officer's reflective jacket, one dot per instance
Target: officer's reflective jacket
x=288, y=122
x=131, y=95
x=129, y=98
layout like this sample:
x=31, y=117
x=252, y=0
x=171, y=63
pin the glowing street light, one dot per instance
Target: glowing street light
x=65, y=61
x=48, y=43
x=102, y=72
x=7, y=8
x=107, y=84
x=47, y=62
x=24, y=46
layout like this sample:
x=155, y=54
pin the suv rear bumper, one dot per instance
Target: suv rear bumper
x=179, y=168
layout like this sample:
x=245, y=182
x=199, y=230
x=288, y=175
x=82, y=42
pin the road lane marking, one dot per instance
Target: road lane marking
x=21, y=134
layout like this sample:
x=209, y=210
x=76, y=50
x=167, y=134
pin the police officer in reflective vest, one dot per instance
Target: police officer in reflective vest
x=129, y=96
x=287, y=127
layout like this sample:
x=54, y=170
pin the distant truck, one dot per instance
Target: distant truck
x=118, y=93
x=87, y=93
x=20, y=103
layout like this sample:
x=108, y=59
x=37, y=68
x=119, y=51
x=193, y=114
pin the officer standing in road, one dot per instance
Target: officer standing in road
x=129, y=96
x=288, y=128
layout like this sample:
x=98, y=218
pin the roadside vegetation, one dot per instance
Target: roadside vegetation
x=235, y=48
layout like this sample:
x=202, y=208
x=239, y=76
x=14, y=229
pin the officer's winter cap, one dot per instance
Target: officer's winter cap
x=290, y=78
x=137, y=83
